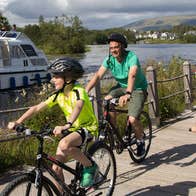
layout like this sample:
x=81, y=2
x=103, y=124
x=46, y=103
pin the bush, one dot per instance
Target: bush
x=22, y=151
x=171, y=106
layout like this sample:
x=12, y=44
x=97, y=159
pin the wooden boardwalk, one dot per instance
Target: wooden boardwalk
x=170, y=168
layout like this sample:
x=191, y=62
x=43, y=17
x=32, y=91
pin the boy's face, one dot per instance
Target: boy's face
x=58, y=82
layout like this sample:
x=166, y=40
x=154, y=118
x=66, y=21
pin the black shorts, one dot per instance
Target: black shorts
x=84, y=133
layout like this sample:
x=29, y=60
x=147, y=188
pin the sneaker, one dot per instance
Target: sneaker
x=88, y=175
x=140, y=148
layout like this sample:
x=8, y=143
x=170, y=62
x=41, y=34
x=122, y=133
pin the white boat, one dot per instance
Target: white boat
x=21, y=63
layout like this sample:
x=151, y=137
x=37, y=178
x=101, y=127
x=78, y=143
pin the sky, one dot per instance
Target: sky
x=94, y=14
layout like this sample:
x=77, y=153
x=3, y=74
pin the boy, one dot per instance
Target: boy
x=77, y=108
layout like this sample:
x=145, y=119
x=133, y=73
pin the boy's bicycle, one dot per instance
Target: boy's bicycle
x=36, y=183
x=115, y=140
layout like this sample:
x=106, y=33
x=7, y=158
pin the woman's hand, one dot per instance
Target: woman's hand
x=58, y=129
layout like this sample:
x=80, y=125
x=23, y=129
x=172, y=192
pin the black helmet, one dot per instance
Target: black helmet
x=118, y=38
x=67, y=67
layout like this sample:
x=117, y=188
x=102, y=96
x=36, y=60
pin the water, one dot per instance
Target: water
x=159, y=52
x=92, y=59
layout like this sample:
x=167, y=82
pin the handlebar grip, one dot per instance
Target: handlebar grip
x=65, y=132
x=19, y=128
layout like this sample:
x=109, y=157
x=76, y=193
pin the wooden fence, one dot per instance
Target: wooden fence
x=153, y=97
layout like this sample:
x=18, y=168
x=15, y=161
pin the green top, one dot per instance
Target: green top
x=86, y=118
x=120, y=71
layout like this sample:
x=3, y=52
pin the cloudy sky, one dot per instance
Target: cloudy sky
x=95, y=14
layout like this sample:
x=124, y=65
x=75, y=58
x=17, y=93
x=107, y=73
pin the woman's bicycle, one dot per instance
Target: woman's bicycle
x=115, y=140
x=36, y=183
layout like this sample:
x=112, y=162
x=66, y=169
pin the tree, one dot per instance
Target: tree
x=4, y=23
x=41, y=19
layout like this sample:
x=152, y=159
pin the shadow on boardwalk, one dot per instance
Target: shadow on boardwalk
x=166, y=190
x=169, y=169
x=172, y=156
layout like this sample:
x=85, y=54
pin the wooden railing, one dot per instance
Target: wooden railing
x=153, y=97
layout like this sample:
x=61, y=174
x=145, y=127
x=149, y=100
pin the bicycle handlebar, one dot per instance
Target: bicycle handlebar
x=29, y=132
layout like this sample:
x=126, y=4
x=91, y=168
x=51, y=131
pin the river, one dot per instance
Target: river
x=159, y=52
x=92, y=59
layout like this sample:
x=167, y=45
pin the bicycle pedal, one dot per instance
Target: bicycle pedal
x=126, y=139
x=119, y=150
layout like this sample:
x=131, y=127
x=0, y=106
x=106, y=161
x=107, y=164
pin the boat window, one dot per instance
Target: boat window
x=16, y=52
x=10, y=34
x=5, y=54
x=1, y=33
x=29, y=50
x=1, y=48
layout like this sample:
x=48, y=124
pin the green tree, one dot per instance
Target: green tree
x=41, y=19
x=59, y=36
x=190, y=38
x=101, y=38
x=4, y=23
x=33, y=31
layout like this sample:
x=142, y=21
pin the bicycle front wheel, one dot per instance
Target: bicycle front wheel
x=106, y=176
x=25, y=185
x=147, y=130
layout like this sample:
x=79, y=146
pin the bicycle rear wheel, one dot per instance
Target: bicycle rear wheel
x=147, y=129
x=24, y=185
x=106, y=177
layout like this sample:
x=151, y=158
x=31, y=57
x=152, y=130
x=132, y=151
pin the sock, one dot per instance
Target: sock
x=139, y=141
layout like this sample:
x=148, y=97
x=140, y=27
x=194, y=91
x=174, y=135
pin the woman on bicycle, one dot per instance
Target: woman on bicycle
x=77, y=108
x=131, y=83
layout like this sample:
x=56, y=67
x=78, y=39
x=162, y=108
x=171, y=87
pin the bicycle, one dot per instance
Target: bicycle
x=37, y=183
x=109, y=134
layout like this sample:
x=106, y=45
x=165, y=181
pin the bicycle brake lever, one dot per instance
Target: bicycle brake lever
x=114, y=101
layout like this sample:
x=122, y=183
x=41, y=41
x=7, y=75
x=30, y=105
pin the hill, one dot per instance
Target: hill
x=159, y=23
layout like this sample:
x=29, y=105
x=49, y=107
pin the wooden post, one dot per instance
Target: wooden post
x=187, y=84
x=153, y=96
x=96, y=92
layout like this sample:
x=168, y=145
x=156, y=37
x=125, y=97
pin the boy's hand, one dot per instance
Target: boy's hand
x=11, y=125
x=58, y=129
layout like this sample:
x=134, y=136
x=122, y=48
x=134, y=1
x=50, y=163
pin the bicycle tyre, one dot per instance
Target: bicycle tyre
x=27, y=180
x=105, y=181
x=146, y=123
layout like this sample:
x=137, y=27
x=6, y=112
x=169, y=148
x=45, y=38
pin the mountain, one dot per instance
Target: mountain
x=159, y=23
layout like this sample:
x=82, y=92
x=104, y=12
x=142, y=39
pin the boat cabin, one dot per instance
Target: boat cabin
x=21, y=63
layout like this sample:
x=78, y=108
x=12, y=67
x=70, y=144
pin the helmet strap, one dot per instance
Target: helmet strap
x=66, y=84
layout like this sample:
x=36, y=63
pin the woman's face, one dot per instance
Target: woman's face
x=115, y=49
x=58, y=82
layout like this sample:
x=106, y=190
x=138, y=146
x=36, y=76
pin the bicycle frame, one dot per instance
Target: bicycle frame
x=129, y=142
x=106, y=122
x=41, y=156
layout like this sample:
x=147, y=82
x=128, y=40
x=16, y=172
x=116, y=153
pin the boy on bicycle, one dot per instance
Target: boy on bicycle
x=77, y=108
x=131, y=83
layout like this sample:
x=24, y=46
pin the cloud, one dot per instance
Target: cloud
x=97, y=13
x=32, y=9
